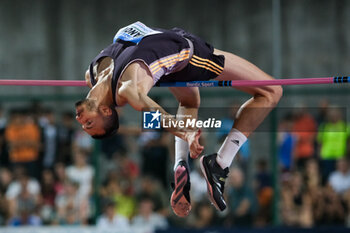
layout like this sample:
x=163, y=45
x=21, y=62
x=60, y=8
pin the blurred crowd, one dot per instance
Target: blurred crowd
x=48, y=175
x=315, y=170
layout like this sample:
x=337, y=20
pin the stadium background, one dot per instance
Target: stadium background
x=289, y=39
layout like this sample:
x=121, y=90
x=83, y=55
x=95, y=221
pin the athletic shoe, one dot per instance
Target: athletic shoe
x=180, y=198
x=215, y=177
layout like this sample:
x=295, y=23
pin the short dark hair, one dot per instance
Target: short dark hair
x=111, y=125
x=80, y=102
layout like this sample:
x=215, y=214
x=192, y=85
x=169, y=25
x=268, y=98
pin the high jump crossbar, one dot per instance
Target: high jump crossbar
x=234, y=83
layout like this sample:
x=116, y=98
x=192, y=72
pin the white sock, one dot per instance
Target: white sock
x=181, y=151
x=228, y=150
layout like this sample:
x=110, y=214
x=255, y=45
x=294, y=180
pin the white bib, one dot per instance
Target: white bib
x=134, y=32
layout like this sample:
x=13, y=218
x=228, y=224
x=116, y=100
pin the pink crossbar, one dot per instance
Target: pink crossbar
x=26, y=82
x=300, y=81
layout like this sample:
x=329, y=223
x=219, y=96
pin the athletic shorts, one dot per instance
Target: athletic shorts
x=176, y=55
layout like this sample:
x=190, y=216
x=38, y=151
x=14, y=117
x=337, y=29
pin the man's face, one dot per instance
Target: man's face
x=89, y=117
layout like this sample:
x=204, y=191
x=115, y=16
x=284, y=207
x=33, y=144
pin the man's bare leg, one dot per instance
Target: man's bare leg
x=252, y=112
x=249, y=117
x=189, y=101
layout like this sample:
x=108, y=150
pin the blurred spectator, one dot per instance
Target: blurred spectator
x=111, y=219
x=61, y=177
x=5, y=180
x=323, y=108
x=26, y=207
x=127, y=169
x=312, y=174
x=65, y=134
x=81, y=172
x=346, y=197
x=113, y=190
x=72, y=208
x=155, y=155
x=241, y=199
x=48, y=124
x=332, y=137
x=286, y=142
x=35, y=109
x=71, y=218
x=3, y=120
x=339, y=180
x=334, y=213
x=26, y=213
x=147, y=219
x=262, y=177
x=82, y=141
x=23, y=187
x=4, y=157
x=198, y=184
x=120, y=141
x=152, y=189
x=315, y=190
x=113, y=144
x=23, y=195
x=23, y=139
x=264, y=193
x=4, y=213
x=296, y=203
x=126, y=203
x=204, y=215
x=48, y=196
x=110, y=186
x=305, y=129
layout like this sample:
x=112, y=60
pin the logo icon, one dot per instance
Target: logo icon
x=151, y=120
x=235, y=142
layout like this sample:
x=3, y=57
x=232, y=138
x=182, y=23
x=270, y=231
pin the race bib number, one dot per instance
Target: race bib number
x=134, y=32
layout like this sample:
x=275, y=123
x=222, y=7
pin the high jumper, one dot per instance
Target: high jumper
x=142, y=57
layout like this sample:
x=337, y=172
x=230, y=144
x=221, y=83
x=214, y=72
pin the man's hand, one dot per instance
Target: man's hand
x=192, y=138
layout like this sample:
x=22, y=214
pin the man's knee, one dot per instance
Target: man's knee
x=191, y=102
x=274, y=94
x=188, y=97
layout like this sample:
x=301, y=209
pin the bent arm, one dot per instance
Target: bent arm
x=140, y=101
x=133, y=89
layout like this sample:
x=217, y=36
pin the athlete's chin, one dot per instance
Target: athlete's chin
x=90, y=133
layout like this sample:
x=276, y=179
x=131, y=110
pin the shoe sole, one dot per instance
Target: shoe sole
x=209, y=188
x=178, y=201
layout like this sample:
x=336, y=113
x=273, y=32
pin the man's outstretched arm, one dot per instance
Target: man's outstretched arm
x=133, y=88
